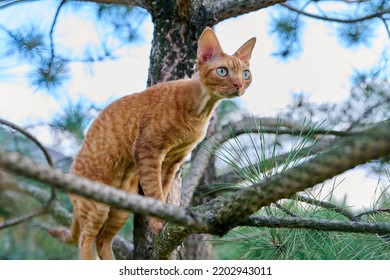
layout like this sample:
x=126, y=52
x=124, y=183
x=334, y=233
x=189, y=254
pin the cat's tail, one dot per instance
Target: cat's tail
x=67, y=235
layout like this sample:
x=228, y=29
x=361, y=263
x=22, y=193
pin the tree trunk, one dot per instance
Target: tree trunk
x=172, y=57
x=177, y=27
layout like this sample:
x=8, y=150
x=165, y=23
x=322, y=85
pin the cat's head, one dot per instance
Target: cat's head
x=223, y=75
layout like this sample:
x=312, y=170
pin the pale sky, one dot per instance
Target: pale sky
x=323, y=71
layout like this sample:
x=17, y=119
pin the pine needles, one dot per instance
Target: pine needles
x=254, y=157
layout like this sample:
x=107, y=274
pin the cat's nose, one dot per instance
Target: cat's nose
x=237, y=85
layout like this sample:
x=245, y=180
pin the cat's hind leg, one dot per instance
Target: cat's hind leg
x=115, y=221
x=92, y=217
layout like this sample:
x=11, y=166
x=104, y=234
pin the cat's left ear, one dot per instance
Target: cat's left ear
x=245, y=51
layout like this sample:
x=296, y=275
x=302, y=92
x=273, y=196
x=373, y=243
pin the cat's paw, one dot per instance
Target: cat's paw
x=156, y=224
x=62, y=233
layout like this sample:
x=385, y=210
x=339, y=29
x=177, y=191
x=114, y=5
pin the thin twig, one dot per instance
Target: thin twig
x=375, y=211
x=329, y=206
x=21, y=219
x=339, y=20
x=285, y=210
x=9, y=3
x=31, y=137
x=316, y=224
x=52, y=30
x=40, y=146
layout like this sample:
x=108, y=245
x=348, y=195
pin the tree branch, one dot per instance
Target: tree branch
x=140, y=3
x=95, y=190
x=202, y=156
x=329, y=206
x=339, y=20
x=31, y=137
x=219, y=215
x=351, y=151
x=319, y=146
x=315, y=224
x=52, y=28
x=21, y=219
x=224, y=9
x=122, y=248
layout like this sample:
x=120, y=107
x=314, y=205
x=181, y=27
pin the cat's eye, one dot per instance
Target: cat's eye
x=246, y=74
x=222, y=71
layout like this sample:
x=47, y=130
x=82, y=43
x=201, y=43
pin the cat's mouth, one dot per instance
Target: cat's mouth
x=234, y=94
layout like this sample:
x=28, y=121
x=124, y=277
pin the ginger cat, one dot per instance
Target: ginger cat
x=146, y=136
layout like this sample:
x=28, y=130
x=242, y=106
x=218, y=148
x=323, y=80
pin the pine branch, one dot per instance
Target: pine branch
x=18, y=220
x=52, y=29
x=31, y=137
x=351, y=151
x=220, y=215
x=233, y=177
x=329, y=206
x=316, y=224
x=36, y=142
x=95, y=190
x=372, y=212
x=225, y=214
x=378, y=14
x=122, y=248
x=201, y=158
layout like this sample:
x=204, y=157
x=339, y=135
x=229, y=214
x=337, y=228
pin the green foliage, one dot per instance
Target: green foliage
x=352, y=35
x=254, y=155
x=49, y=75
x=287, y=28
x=257, y=158
x=124, y=21
x=74, y=119
x=27, y=43
x=30, y=240
x=301, y=244
x=50, y=62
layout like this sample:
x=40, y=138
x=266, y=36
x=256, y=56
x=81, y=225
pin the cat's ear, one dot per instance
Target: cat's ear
x=245, y=51
x=208, y=46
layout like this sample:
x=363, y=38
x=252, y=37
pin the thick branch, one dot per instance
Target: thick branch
x=352, y=151
x=202, y=157
x=224, y=9
x=319, y=146
x=139, y=3
x=224, y=214
x=95, y=190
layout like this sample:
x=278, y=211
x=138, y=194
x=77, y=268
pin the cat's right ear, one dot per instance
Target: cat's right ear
x=208, y=46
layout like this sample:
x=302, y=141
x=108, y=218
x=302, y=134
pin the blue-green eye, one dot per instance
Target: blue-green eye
x=246, y=74
x=222, y=71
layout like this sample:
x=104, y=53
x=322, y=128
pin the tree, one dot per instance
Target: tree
x=177, y=25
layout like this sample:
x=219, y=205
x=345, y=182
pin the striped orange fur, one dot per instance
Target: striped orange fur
x=145, y=137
